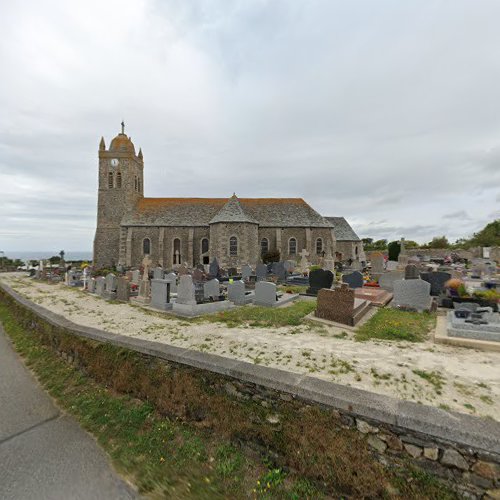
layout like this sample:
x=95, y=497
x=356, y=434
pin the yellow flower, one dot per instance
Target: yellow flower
x=162, y=459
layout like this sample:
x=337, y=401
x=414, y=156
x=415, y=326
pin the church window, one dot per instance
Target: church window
x=233, y=246
x=146, y=246
x=177, y=251
x=292, y=246
x=204, y=245
x=110, y=180
x=135, y=179
x=264, y=246
x=356, y=249
x=319, y=246
x=119, y=180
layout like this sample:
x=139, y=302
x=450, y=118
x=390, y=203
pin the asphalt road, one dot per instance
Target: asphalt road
x=45, y=454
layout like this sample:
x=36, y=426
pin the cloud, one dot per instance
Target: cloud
x=385, y=115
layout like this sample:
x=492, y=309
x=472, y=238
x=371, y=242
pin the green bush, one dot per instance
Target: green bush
x=394, y=248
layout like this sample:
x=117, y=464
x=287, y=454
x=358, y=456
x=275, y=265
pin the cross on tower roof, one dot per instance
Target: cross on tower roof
x=123, y=127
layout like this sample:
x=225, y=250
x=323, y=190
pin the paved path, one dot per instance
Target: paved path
x=43, y=453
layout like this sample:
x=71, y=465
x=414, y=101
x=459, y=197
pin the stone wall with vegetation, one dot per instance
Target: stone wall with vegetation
x=274, y=411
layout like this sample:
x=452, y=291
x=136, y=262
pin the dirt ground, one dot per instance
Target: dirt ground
x=462, y=379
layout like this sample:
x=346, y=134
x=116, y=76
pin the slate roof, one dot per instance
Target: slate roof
x=267, y=212
x=342, y=230
x=232, y=211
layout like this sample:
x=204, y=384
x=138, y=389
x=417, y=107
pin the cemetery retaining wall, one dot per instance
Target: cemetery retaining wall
x=462, y=449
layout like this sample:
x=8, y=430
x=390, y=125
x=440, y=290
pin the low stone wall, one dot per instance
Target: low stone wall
x=462, y=449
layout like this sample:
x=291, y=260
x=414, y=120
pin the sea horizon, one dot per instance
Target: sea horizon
x=46, y=254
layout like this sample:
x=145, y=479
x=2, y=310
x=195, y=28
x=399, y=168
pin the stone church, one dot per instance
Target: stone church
x=174, y=231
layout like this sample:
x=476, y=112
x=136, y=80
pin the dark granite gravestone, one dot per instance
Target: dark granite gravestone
x=354, y=280
x=213, y=269
x=279, y=270
x=411, y=272
x=341, y=306
x=318, y=279
x=437, y=281
x=261, y=271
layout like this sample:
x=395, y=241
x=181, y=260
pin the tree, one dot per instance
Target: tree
x=489, y=236
x=439, y=242
x=394, y=248
x=55, y=259
x=411, y=244
x=369, y=244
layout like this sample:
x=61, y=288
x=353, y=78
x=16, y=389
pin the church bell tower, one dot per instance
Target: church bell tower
x=121, y=186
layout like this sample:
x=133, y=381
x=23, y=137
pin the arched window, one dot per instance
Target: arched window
x=146, y=246
x=233, y=246
x=356, y=249
x=264, y=246
x=319, y=246
x=110, y=180
x=135, y=183
x=292, y=246
x=119, y=180
x=177, y=251
x=204, y=245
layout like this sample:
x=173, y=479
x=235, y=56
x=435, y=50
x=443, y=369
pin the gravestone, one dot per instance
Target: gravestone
x=386, y=280
x=412, y=294
x=122, y=289
x=377, y=261
x=136, y=276
x=265, y=294
x=411, y=272
x=279, y=270
x=111, y=283
x=232, y=271
x=160, y=294
x=354, y=280
x=246, y=272
x=158, y=273
x=355, y=266
x=197, y=275
x=289, y=266
x=100, y=283
x=236, y=292
x=172, y=279
x=261, y=271
x=340, y=305
x=391, y=265
x=211, y=289
x=403, y=259
x=91, y=285
x=182, y=270
x=185, y=290
x=304, y=264
x=437, y=281
x=318, y=279
x=214, y=268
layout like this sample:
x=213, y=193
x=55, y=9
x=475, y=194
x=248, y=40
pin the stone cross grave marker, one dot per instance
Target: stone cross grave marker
x=185, y=290
x=211, y=289
x=236, y=292
x=160, y=294
x=354, y=279
x=386, y=281
x=265, y=294
x=318, y=279
x=304, y=264
x=414, y=294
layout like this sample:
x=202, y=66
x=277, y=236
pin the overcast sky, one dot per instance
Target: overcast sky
x=385, y=112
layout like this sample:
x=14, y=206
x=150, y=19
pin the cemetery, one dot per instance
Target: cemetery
x=337, y=325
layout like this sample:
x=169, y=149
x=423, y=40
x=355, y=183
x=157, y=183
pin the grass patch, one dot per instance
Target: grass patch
x=434, y=378
x=268, y=317
x=392, y=324
x=176, y=433
x=293, y=288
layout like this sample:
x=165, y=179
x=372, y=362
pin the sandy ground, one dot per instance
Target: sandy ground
x=461, y=379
